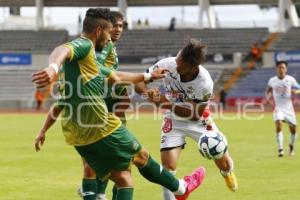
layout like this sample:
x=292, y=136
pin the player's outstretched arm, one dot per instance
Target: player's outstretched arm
x=141, y=88
x=156, y=74
x=50, y=120
x=47, y=75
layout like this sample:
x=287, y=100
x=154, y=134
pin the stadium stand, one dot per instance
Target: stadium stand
x=16, y=88
x=255, y=83
x=147, y=43
x=134, y=44
x=287, y=41
x=31, y=41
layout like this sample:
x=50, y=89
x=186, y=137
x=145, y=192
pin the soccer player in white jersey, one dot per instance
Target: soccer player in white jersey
x=187, y=82
x=281, y=88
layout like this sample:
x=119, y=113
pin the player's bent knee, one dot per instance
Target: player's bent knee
x=122, y=178
x=141, y=158
x=169, y=166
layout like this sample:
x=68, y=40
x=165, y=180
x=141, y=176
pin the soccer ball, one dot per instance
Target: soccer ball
x=212, y=145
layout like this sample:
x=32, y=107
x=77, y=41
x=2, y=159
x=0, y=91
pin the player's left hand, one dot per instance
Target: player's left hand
x=159, y=73
x=44, y=77
x=39, y=141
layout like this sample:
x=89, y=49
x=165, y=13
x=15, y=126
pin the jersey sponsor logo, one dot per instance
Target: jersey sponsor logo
x=88, y=193
x=135, y=145
x=161, y=168
x=167, y=126
x=282, y=90
x=175, y=96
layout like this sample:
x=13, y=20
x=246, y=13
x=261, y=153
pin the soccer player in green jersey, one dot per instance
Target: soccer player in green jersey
x=108, y=57
x=98, y=135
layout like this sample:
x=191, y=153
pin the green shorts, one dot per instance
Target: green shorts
x=114, y=152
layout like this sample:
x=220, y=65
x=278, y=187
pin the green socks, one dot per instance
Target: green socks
x=124, y=194
x=101, y=186
x=89, y=189
x=114, y=192
x=155, y=173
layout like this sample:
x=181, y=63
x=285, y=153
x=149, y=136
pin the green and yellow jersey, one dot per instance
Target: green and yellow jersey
x=85, y=117
x=108, y=56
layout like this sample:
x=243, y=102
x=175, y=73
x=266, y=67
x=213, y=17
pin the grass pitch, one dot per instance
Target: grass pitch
x=55, y=172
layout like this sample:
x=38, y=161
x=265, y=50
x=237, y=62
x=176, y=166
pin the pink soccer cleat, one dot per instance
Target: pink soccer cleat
x=193, y=181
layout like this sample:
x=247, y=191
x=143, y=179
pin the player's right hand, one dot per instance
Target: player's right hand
x=39, y=141
x=159, y=73
x=44, y=77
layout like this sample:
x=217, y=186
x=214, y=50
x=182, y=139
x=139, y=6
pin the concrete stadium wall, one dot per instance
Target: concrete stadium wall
x=268, y=59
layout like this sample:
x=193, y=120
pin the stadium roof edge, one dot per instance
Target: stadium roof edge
x=88, y=3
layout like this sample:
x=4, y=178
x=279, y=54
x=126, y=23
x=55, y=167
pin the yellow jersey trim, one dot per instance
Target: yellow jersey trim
x=72, y=51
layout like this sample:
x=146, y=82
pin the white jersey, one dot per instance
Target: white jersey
x=282, y=92
x=175, y=129
x=199, y=90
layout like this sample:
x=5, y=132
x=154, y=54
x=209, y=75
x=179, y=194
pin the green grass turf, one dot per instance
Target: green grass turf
x=55, y=172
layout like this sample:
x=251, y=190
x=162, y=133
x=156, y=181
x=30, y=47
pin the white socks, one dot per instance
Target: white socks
x=167, y=194
x=279, y=139
x=182, y=187
x=101, y=197
x=293, y=138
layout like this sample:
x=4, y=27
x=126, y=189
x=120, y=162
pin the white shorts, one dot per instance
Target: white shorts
x=285, y=115
x=173, y=132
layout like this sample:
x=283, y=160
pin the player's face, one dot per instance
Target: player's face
x=104, y=37
x=117, y=30
x=281, y=70
x=184, y=69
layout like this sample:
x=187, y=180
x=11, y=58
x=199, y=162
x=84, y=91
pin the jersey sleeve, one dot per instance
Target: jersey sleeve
x=203, y=97
x=79, y=48
x=106, y=72
x=295, y=84
x=165, y=63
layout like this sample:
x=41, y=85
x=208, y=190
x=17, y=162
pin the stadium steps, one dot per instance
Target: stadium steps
x=42, y=41
x=287, y=41
x=163, y=42
x=251, y=64
x=254, y=84
x=16, y=88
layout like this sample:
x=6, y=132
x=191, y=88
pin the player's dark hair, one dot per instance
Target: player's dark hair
x=281, y=62
x=116, y=16
x=194, y=52
x=95, y=17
